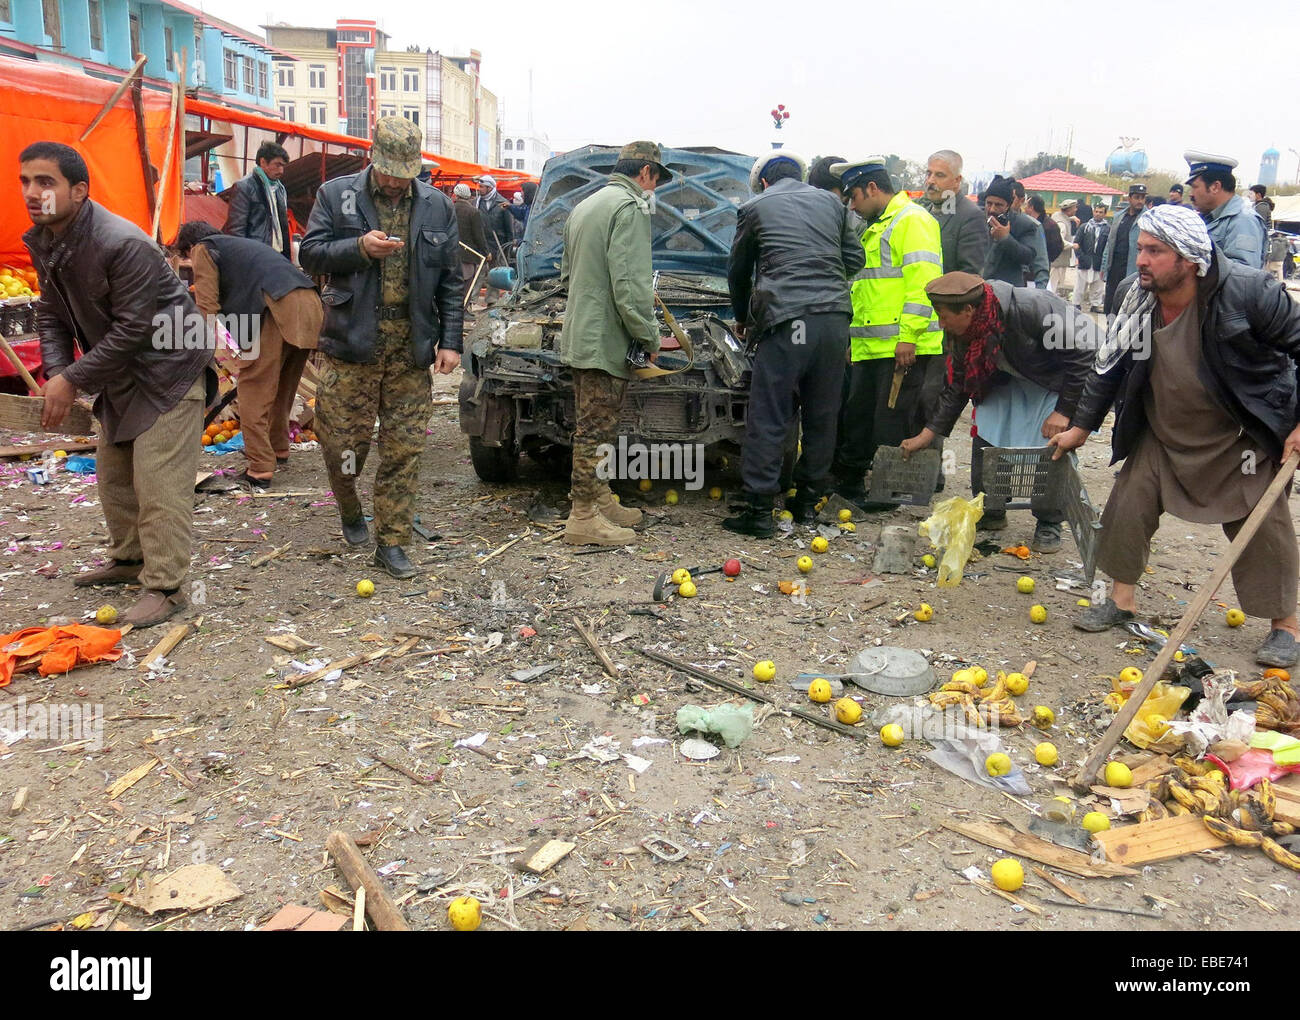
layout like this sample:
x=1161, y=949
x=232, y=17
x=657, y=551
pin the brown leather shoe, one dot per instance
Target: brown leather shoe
x=153, y=608
x=117, y=572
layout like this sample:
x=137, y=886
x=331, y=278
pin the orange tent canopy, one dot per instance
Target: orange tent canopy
x=449, y=170
x=43, y=102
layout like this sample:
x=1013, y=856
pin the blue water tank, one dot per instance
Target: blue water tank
x=1130, y=163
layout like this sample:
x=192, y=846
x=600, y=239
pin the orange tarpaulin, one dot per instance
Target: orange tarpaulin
x=448, y=168
x=60, y=648
x=43, y=102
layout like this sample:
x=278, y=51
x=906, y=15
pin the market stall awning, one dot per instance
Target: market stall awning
x=450, y=171
x=45, y=102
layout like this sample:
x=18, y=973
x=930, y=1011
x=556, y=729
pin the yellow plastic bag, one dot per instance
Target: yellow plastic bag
x=1164, y=700
x=952, y=528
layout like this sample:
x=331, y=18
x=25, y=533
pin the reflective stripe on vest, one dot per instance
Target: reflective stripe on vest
x=887, y=329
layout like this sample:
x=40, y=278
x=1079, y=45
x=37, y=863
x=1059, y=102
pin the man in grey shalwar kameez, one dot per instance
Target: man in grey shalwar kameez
x=1200, y=363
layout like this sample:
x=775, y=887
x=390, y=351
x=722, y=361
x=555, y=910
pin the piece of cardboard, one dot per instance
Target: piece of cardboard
x=193, y=887
x=292, y=917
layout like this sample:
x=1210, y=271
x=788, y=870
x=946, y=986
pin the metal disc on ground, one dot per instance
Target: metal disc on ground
x=895, y=672
x=698, y=750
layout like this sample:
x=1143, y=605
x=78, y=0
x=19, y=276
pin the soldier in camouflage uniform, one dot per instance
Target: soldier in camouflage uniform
x=607, y=267
x=391, y=250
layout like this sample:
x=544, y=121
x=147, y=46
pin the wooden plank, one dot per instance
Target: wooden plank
x=288, y=642
x=1158, y=766
x=6, y=452
x=1288, y=803
x=20, y=801
x=1161, y=840
x=1088, y=773
x=594, y=645
x=1040, y=850
x=360, y=875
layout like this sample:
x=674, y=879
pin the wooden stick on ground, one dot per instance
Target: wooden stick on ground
x=594, y=645
x=267, y=557
x=1087, y=775
x=360, y=876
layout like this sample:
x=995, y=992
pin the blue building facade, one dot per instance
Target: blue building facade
x=101, y=37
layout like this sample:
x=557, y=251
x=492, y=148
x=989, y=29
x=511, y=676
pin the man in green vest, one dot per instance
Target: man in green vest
x=607, y=268
x=894, y=335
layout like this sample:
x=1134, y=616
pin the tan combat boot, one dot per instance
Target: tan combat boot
x=586, y=526
x=615, y=512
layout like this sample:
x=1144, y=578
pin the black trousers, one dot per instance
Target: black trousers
x=1044, y=515
x=866, y=419
x=1113, y=280
x=798, y=370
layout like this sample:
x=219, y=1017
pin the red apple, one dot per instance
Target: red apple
x=731, y=568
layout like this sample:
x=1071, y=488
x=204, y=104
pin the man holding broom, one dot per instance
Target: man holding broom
x=1200, y=363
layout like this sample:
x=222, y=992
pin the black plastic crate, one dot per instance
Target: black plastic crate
x=904, y=482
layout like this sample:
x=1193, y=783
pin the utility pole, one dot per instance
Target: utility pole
x=1069, y=149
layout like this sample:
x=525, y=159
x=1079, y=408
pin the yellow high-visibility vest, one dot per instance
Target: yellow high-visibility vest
x=890, y=305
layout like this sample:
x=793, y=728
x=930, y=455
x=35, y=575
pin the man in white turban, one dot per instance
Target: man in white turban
x=1200, y=364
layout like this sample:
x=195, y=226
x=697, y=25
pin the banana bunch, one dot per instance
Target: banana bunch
x=1275, y=851
x=981, y=706
x=1277, y=704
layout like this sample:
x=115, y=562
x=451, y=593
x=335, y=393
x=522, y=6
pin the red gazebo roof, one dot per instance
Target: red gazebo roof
x=1059, y=180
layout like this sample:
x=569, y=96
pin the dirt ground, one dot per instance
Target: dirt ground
x=799, y=827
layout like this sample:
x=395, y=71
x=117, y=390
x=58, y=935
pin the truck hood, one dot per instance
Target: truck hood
x=692, y=226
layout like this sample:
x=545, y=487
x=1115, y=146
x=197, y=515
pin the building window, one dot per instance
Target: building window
x=248, y=74
x=388, y=79
x=231, y=75
x=288, y=111
x=388, y=111
x=317, y=113
x=96, y=22
x=317, y=73
x=8, y=15
x=53, y=22
x=520, y=145
x=509, y=145
x=410, y=80
x=263, y=84
x=169, y=43
x=411, y=114
x=284, y=76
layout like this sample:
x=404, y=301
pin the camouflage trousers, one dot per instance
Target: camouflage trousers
x=598, y=401
x=348, y=399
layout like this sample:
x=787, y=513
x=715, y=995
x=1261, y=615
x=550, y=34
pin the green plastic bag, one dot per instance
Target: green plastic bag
x=952, y=528
x=732, y=724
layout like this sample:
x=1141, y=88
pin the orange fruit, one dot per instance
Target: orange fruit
x=1280, y=674
x=220, y=437
x=207, y=440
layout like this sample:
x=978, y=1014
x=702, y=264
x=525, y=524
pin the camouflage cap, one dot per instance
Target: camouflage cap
x=648, y=151
x=395, y=150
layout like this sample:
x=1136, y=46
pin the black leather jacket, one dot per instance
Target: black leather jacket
x=794, y=253
x=1250, y=349
x=106, y=285
x=343, y=212
x=250, y=216
x=1045, y=339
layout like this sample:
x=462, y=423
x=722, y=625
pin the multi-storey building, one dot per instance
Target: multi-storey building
x=345, y=78
x=524, y=149
x=102, y=38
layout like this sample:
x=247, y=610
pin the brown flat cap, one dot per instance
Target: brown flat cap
x=955, y=288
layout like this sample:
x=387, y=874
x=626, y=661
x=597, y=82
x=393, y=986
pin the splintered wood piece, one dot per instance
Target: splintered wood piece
x=267, y=557
x=1288, y=802
x=1161, y=840
x=131, y=778
x=164, y=647
x=544, y=855
x=1009, y=897
x=289, y=642
x=20, y=801
x=1060, y=886
x=1152, y=769
x=1040, y=850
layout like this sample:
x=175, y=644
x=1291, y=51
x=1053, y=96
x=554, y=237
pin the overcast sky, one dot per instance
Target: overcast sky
x=995, y=81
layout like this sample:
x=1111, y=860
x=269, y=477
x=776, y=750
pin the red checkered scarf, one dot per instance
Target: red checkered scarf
x=983, y=342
